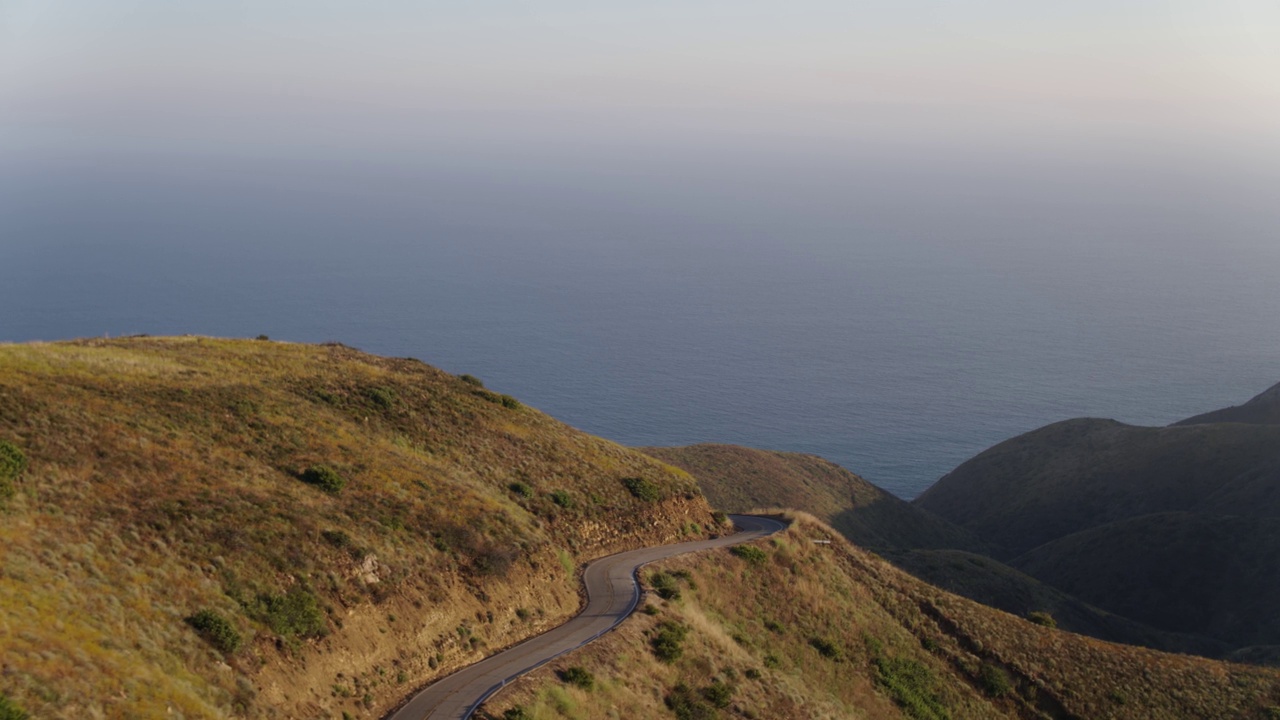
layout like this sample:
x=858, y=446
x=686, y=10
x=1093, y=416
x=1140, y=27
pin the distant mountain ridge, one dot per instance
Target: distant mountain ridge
x=1176, y=527
x=1264, y=409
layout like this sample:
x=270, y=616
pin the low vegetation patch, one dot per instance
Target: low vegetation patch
x=563, y=499
x=9, y=710
x=325, y=478
x=826, y=648
x=665, y=585
x=216, y=630
x=994, y=681
x=1042, y=618
x=668, y=641
x=296, y=614
x=750, y=553
x=579, y=676
x=912, y=686
x=685, y=704
x=12, y=464
x=642, y=489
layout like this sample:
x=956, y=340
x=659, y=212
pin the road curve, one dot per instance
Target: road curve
x=612, y=593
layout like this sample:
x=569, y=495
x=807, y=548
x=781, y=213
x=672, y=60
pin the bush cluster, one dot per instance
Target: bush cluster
x=642, y=489
x=381, y=396
x=521, y=489
x=294, y=614
x=665, y=585
x=685, y=704
x=668, y=641
x=13, y=462
x=750, y=553
x=1042, y=618
x=826, y=648
x=216, y=630
x=325, y=478
x=994, y=681
x=9, y=710
x=579, y=676
x=562, y=498
x=912, y=686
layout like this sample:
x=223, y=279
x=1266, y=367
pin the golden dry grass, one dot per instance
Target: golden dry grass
x=164, y=478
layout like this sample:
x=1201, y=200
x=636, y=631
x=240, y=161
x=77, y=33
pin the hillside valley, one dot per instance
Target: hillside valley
x=206, y=528
x=1162, y=537
x=807, y=625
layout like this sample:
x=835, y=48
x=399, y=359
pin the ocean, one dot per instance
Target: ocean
x=894, y=319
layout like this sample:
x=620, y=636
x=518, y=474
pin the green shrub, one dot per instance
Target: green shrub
x=9, y=710
x=517, y=713
x=509, y=402
x=771, y=660
x=650, y=610
x=826, y=648
x=579, y=676
x=750, y=553
x=719, y=694
x=381, y=396
x=216, y=630
x=912, y=686
x=562, y=498
x=642, y=489
x=719, y=518
x=521, y=489
x=668, y=641
x=294, y=614
x=752, y=674
x=994, y=681
x=686, y=705
x=773, y=626
x=13, y=462
x=1042, y=618
x=471, y=380
x=325, y=478
x=665, y=586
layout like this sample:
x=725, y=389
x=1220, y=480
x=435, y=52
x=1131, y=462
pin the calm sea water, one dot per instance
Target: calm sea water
x=894, y=318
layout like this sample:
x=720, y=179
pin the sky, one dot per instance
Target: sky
x=405, y=77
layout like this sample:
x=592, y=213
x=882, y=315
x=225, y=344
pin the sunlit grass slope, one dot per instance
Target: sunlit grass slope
x=213, y=528
x=793, y=628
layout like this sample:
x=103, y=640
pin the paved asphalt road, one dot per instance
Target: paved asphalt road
x=612, y=594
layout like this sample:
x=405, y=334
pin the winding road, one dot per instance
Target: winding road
x=612, y=594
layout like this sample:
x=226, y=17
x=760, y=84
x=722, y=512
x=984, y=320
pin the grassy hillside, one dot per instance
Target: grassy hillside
x=1078, y=474
x=737, y=479
x=795, y=629
x=1262, y=410
x=215, y=528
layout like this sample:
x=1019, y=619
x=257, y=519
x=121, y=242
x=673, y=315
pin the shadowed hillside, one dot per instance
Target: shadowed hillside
x=739, y=479
x=1212, y=575
x=792, y=629
x=222, y=528
x=1175, y=527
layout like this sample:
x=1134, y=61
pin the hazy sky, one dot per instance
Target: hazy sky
x=405, y=76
